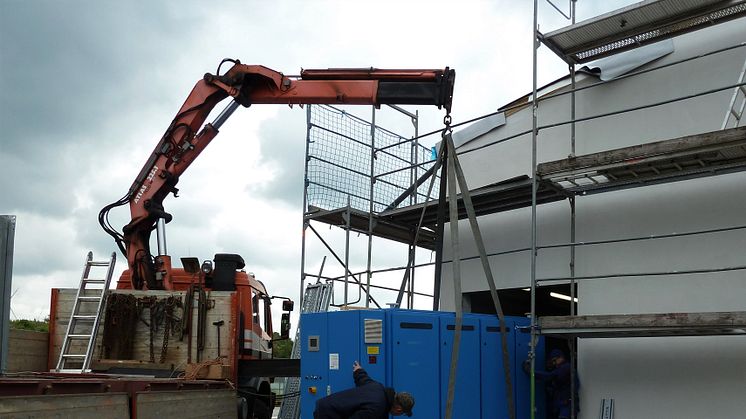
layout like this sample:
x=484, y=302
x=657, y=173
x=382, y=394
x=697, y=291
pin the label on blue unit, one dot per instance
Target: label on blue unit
x=333, y=361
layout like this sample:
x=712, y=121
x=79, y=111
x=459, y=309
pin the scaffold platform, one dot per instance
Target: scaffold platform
x=688, y=157
x=644, y=325
x=507, y=195
x=693, y=156
x=382, y=226
x=637, y=25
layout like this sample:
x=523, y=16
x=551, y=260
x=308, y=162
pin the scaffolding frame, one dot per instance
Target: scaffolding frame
x=352, y=218
x=542, y=188
x=512, y=193
x=592, y=39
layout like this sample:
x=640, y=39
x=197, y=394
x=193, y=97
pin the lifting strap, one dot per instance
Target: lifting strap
x=456, y=251
x=456, y=174
x=431, y=172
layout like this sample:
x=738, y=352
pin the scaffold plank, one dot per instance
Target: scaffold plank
x=382, y=227
x=688, y=157
x=503, y=196
x=644, y=325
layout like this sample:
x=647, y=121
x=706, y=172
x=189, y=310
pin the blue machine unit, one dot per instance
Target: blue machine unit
x=410, y=350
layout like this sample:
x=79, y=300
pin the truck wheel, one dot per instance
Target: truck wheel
x=243, y=408
x=261, y=410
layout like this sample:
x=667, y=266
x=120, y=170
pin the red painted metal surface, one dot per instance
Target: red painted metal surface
x=52, y=322
x=235, y=332
x=58, y=383
x=51, y=384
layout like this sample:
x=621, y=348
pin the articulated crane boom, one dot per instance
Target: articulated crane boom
x=247, y=85
x=183, y=141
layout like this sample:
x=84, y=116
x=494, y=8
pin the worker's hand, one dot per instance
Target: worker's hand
x=355, y=366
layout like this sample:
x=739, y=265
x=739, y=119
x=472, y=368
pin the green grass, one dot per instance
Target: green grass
x=35, y=325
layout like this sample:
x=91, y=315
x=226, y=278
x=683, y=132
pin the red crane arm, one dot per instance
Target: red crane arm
x=248, y=84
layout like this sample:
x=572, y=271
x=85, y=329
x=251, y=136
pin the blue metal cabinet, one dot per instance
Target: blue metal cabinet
x=467, y=398
x=494, y=402
x=344, y=349
x=410, y=350
x=414, y=364
x=315, y=355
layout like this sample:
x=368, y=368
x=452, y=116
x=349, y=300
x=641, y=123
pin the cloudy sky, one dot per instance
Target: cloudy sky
x=89, y=86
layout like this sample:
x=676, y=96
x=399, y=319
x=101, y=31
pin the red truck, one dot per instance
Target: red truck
x=208, y=319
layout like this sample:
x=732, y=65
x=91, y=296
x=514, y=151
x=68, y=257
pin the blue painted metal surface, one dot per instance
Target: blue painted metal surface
x=493, y=372
x=414, y=355
x=343, y=350
x=414, y=365
x=467, y=397
x=314, y=377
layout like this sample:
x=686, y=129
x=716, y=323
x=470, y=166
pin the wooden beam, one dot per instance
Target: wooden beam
x=621, y=325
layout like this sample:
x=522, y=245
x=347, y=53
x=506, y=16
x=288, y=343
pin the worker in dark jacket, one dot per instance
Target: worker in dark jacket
x=368, y=400
x=558, y=384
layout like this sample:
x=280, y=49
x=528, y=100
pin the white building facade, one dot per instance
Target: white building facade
x=654, y=377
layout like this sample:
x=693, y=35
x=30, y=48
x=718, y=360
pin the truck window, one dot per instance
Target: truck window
x=257, y=304
x=267, y=317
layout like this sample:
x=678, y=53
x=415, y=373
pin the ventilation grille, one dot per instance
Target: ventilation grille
x=373, y=331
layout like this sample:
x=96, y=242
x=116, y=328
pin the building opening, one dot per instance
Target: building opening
x=551, y=300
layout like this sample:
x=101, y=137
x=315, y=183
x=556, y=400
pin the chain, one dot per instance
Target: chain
x=119, y=326
x=447, y=124
x=166, y=328
x=151, y=303
x=170, y=321
x=152, y=329
x=121, y=316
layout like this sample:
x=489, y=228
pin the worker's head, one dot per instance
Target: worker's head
x=403, y=404
x=557, y=357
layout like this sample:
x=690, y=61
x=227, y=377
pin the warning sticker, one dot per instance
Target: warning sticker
x=333, y=361
x=374, y=350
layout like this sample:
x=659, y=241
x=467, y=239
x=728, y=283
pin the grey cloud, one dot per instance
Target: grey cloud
x=70, y=72
x=283, y=142
x=80, y=65
x=25, y=183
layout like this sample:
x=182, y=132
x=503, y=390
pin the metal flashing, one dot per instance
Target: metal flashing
x=640, y=24
x=477, y=129
x=611, y=67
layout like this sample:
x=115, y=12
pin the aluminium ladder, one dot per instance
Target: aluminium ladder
x=737, y=103
x=80, y=338
x=316, y=299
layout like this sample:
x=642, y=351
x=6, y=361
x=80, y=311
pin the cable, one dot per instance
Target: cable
x=554, y=95
x=277, y=396
x=570, y=244
x=103, y=220
x=226, y=60
x=644, y=274
x=103, y=215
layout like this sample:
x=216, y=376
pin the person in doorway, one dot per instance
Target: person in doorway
x=369, y=399
x=558, y=383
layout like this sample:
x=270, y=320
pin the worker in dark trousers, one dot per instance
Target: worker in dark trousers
x=558, y=384
x=368, y=400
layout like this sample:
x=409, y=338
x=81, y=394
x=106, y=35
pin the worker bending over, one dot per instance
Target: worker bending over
x=368, y=400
